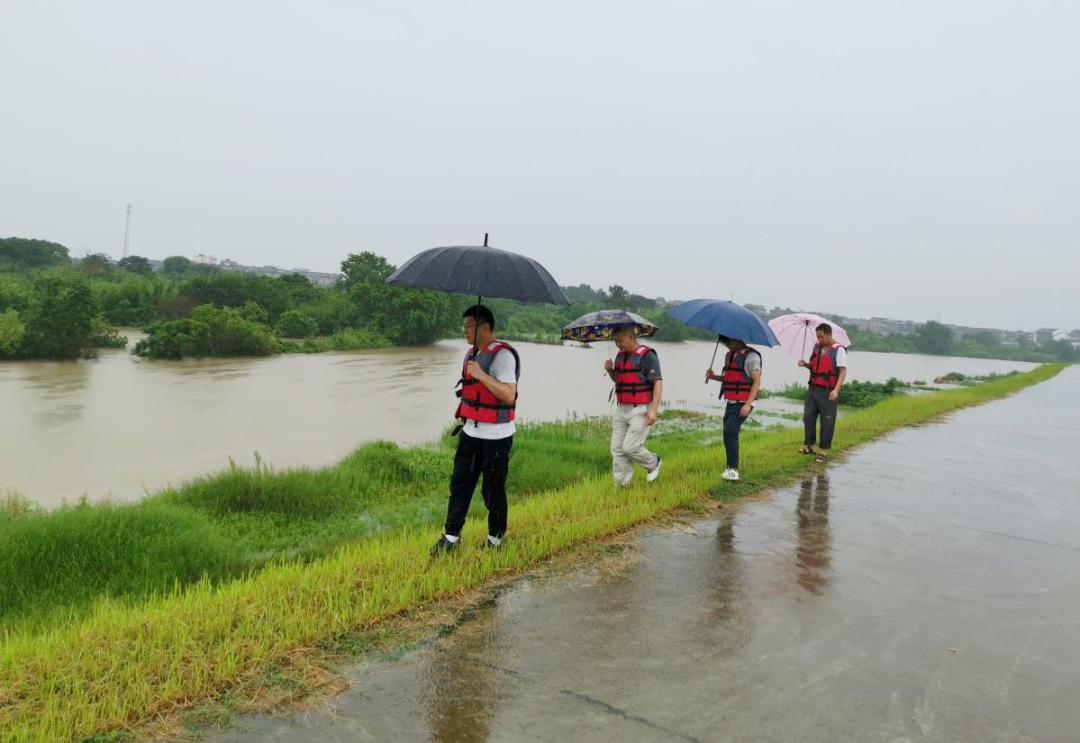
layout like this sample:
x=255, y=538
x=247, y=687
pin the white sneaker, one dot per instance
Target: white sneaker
x=655, y=471
x=731, y=474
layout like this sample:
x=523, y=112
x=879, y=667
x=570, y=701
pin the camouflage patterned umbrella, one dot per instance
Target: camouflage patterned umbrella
x=598, y=326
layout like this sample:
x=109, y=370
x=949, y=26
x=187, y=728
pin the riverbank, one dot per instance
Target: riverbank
x=156, y=655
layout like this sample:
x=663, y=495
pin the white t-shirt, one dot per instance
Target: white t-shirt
x=504, y=370
x=841, y=356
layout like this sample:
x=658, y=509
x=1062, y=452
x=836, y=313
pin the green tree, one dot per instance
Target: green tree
x=12, y=331
x=1062, y=350
x=618, y=294
x=58, y=321
x=296, y=324
x=210, y=331
x=136, y=264
x=934, y=338
x=232, y=289
x=299, y=288
x=986, y=338
x=132, y=298
x=19, y=253
x=96, y=264
x=364, y=268
x=176, y=266
x=407, y=317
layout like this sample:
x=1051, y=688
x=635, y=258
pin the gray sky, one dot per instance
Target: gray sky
x=893, y=157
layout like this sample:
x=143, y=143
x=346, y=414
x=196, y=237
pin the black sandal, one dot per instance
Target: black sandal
x=807, y=450
x=821, y=458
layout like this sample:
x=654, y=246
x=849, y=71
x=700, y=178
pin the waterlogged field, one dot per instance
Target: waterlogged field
x=116, y=614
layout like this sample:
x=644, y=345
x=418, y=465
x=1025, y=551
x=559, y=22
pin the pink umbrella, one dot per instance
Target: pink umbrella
x=796, y=332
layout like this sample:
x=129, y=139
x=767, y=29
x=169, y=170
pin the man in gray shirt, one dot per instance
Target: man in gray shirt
x=741, y=382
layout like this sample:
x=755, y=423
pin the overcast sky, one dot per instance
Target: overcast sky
x=898, y=158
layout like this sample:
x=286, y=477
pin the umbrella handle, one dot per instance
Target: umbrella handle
x=715, y=349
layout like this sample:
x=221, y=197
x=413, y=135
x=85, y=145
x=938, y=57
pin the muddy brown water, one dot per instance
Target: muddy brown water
x=925, y=587
x=120, y=426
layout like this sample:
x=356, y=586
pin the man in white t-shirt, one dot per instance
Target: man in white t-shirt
x=488, y=396
x=828, y=371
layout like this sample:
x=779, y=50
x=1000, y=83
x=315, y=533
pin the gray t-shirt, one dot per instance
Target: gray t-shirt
x=753, y=362
x=651, y=364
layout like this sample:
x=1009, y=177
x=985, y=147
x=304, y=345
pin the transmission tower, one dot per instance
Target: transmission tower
x=127, y=229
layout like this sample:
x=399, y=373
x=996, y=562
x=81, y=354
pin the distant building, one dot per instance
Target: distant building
x=883, y=325
x=1049, y=335
x=205, y=260
x=962, y=331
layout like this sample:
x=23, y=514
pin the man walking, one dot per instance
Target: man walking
x=828, y=370
x=638, y=389
x=488, y=395
x=741, y=381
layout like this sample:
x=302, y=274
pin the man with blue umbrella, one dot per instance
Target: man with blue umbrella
x=735, y=326
x=740, y=384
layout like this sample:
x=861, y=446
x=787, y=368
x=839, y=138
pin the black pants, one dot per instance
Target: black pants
x=818, y=403
x=476, y=457
x=732, y=424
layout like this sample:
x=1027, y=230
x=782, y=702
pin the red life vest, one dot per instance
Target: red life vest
x=632, y=387
x=824, y=371
x=477, y=401
x=736, y=381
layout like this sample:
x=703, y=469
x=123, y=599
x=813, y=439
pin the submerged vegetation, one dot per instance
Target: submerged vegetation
x=181, y=596
x=854, y=394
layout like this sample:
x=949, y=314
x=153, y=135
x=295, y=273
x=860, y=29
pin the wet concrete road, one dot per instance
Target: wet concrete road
x=927, y=588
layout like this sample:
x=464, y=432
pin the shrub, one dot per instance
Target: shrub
x=296, y=324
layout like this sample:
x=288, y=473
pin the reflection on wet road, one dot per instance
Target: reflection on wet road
x=927, y=588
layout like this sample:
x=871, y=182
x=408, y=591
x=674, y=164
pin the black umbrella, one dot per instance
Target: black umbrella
x=480, y=270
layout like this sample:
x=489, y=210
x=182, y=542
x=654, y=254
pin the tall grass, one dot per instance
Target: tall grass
x=122, y=663
x=56, y=563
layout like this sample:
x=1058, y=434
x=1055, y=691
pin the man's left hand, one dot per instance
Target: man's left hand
x=834, y=394
x=650, y=416
x=744, y=412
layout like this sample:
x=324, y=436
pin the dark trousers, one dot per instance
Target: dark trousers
x=732, y=424
x=476, y=457
x=819, y=404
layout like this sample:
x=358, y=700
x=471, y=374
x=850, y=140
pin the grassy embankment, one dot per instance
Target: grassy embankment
x=118, y=661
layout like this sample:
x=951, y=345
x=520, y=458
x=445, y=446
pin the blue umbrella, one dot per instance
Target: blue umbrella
x=724, y=318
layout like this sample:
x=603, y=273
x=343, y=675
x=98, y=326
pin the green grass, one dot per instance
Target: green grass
x=128, y=658
x=54, y=564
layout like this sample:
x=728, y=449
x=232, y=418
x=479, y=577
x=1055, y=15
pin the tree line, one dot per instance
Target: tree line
x=55, y=307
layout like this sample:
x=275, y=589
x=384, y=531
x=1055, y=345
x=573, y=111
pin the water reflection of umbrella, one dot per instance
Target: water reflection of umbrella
x=598, y=326
x=725, y=319
x=480, y=270
x=796, y=332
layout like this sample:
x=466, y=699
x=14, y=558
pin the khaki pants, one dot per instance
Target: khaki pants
x=628, y=433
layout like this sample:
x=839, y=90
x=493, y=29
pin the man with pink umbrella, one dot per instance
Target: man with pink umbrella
x=828, y=371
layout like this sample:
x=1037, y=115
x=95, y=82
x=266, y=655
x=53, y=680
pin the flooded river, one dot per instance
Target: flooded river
x=922, y=588
x=121, y=426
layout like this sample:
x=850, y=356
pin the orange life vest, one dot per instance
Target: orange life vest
x=824, y=371
x=632, y=387
x=477, y=401
x=736, y=381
